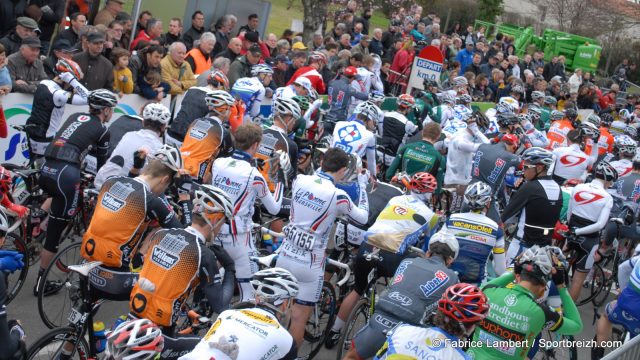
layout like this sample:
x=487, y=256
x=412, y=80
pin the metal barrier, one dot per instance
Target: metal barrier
x=628, y=351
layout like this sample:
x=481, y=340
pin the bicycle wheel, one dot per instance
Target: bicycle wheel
x=556, y=347
x=15, y=280
x=50, y=346
x=593, y=286
x=319, y=323
x=358, y=318
x=55, y=308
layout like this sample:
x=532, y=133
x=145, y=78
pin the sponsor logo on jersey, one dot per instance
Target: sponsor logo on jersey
x=307, y=199
x=502, y=314
x=349, y=134
x=384, y=321
x=476, y=163
x=499, y=166
x=227, y=185
x=261, y=318
x=66, y=134
x=400, y=271
x=400, y=298
x=439, y=280
x=474, y=227
x=586, y=197
x=400, y=210
x=511, y=300
x=84, y=118
x=111, y=203
x=500, y=330
x=213, y=329
x=252, y=327
x=163, y=259
x=572, y=160
x=270, y=353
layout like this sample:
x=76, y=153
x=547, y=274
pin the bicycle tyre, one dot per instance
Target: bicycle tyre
x=602, y=297
x=16, y=279
x=48, y=340
x=320, y=322
x=53, y=309
x=353, y=324
x=595, y=286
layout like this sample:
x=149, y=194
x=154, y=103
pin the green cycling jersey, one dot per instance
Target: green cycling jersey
x=545, y=119
x=419, y=156
x=515, y=319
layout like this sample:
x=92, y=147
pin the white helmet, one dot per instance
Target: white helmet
x=305, y=83
x=449, y=97
x=139, y=339
x=101, y=99
x=261, y=69
x=157, y=112
x=460, y=81
x=511, y=102
x=537, y=95
x=478, y=195
x=275, y=284
x=284, y=106
x=170, y=156
x=594, y=119
x=212, y=199
x=367, y=109
x=625, y=144
x=217, y=98
x=539, y=257
x=443, y=236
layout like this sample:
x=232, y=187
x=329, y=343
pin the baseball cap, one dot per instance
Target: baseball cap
x=32, y=41
x=95, y=36
x=282, y=58
x=350, y=71
x=28, y=22
x=304, y=82
x=299, y=46
x=64, y=45
x=252, y=36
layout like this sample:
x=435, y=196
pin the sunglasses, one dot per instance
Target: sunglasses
x=526, y=167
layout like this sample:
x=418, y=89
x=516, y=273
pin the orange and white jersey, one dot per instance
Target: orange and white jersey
x=557, y=133
x=605, y=141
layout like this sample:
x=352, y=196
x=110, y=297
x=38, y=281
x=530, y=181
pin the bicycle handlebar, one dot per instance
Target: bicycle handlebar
x=346, y=267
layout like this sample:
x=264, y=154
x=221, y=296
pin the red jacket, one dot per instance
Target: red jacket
x=401, y=63
x=142, y=35
x=609, y=99
x=312, y=74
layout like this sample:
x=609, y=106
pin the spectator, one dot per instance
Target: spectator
x=241, y=67
x=551, y=69
x=356, y=35
x=514, y=66
x=376, y=46
x=362, y=47
x=505, y=67
x=220, y=64
x=195, y=31
x=390, y=36
x=338, y=30
x=248, y=39
x=9, y=13
x=608, y=101
x=5, y=77
x=72, y=33
x=345, y=42
x=115, y=31
x=233, y=49
x=176, y=71
x=402, y=62
x=283, y=47
x=469, y=37
x=152, y=87
x=61, y=49
x=152, y=34
x=125, y=19
x=25, y=27
x=481, y=91
x=146, y=60
x=25, y=66
x=109, y=12
x=527, y=63
x=297, y=61
x=98, y=71
x=223, y=27
x=474, y=67
x=143, y=19
x=364, y=20
x=279, y=70
x=123, y=82
x=174, y=33
x=317, y=43
x=538, y=59
x=454, y=49
x=52, y=13
x=489, y=66
x=287, y=34
x=252, y=25
x=465, y=57
x=561, y=70
x=317, y=61
x=272, y=45
x=199, y=58
x=575, y=80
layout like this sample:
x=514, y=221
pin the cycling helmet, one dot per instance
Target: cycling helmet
x=368, y=110
x=284, y=106
x=605, y=171
x=464, y=99
x=430, y=83
x=535, y=260
x=4, y=223
x=446, y=238
x=318, y=56
x=139, y=339
x=376, y=96
x=218, y=78
x=594, y=119
x=589, y=130
x=506, y=119
x=503, y=108
x=274, y=285
x=448, y=97
x=305, y=83
x=511, y=102
x=534, y=109
x=550, y=100
x=313, y=94
x=538, y=155
x=70, y=66
x=350, y=71
x=478, y=195
x=510, y=139
x=423, y=182
x=537, y=95
x=517, y=89
x=353, y=167
x=606, y=119
x=405, y=101
x=211, y=202
x=631, y=132
x=218, y=98
x=556, y=115
x=101, y=99
x=261, y=69
x=525, y=117
x=170, y=156
x=6, y=180
x=465, y=303
x=571, y=113
x=157, y=112
x=624, y=114
x=302, y=101
x=460, y=81
x=625, y=145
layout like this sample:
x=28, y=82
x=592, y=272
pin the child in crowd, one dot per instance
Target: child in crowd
x=152, y=86
x=122, y=78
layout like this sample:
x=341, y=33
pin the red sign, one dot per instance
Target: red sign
x=432, y=53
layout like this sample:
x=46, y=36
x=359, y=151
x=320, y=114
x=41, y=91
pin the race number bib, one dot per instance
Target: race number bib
x=300, y=238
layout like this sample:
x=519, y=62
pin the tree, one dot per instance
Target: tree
x=315, y=14
x=488, y=10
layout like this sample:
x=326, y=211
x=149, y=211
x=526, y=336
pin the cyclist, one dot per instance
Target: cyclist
x=421, y=156
x=11, y=332
x=124, y=209
x=251, y=90
x=176, y=262
x=315, y=203
x=528, y=122
x=244, y=184
x=516, y=318
x=366, y=81
x=571, y=162
x=356, y=136
x=207, y=137
x=491, y=163
x=396, y=128
x=560, y=127
x=626, y=149
x=339, y=93
x=257, y=331
x=535, y=227
x=588, y=214
x=460, y=309
x=403, y=215
x=478, y=236
x=277, y=145
x=629, y=186
x=6, y=185
x=137, y=339
x=301, y=86
x=60, y=174
x=194, y=107
x=606, y=140
x=623, y=311
x=49, y=102
x=444, y=112
x=417, y=285
x=149, y=139
x=316, y=62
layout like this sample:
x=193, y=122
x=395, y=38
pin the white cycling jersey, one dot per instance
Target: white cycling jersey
x=493, y=121
x=408, y=342
x=617, y=127
x=571, y=162
x=285, y=92
x=404, y=213
x=536, y=137
x=460, y=155
x=461, y=112
x=121, y=160
x=257, y=333
x=623, y=167
x=591, y=203
x=251, y=92
x=363, y=83
x=354, y=138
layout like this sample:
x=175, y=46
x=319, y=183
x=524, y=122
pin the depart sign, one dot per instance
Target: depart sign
x=426, y=66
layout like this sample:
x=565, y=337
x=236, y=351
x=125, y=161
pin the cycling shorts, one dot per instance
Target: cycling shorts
x=112, y=284
x=61, y=180
x=240, y=248
x=617, y=315
x=585, y=248
x=310, y=278
x=386, y=268
x=372, y=336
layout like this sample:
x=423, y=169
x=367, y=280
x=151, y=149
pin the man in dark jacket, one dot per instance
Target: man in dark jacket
x=474, y=67
x=25, y=28
x=72, y=34
x=98, y=71
x=52, y=13
x=489, y=66
x=241, y=67
x=196, y=29
x=10, y=10
x=232, y=51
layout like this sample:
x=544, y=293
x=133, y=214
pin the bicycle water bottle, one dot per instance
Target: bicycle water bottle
x=267, y=242
x=119, y=320
x=100, y=336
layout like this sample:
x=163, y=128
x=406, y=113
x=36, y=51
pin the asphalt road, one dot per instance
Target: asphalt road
x=25, y=308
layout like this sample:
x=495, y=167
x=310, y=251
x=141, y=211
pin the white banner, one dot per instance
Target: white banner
x=423, y=69
x=17, y=109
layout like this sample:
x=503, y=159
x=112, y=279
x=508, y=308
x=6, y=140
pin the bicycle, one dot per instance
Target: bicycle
x=15, y=280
